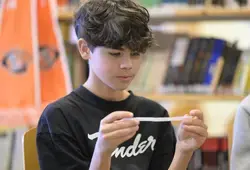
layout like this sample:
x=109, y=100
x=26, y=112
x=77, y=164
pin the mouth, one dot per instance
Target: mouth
x=125, y=78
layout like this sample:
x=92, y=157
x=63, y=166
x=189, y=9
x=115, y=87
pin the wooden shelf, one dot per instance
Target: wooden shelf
x=202, y=12
x=193, y=14
x=191, y=97
x=159, y=15
x=228, y=12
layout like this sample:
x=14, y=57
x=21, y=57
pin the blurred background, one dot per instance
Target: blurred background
x=202, y=61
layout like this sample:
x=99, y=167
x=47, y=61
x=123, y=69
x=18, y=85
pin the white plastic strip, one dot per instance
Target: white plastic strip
x=161, y=119
x=147, y=119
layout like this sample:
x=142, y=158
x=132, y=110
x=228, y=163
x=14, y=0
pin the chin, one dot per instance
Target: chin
x=119, y=88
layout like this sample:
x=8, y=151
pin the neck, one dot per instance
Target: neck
x=101, y=90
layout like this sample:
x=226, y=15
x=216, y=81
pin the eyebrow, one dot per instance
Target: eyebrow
x=118, y=48
x=121, y=48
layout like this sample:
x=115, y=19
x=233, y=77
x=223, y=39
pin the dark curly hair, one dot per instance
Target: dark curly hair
x=113, y=24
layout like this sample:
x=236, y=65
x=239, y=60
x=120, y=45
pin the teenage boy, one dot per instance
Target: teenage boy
x=93, y=128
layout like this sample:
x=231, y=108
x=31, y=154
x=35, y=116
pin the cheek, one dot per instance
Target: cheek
x=102, y=66
x=136, y=65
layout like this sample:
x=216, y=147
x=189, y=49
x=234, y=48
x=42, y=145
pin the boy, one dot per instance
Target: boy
x=88, y=129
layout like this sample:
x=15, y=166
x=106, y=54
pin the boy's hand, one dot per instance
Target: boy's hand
x=192, y=133
x=114, y=131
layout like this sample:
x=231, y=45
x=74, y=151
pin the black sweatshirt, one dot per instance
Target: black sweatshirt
x=67, y=133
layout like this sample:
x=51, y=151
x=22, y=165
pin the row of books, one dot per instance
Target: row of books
x=152, y=3
x=187, y=64
x=215, y=3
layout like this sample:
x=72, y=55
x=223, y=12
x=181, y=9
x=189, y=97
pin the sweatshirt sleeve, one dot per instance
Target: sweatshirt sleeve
x=56, y=146
x=240, y=154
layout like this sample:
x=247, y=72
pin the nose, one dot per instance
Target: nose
x=126, y=63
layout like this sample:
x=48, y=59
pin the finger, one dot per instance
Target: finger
x=195, y=122
x=187, y=119
x=197, y=113
x=196, y=129
x=121, y=133
x=119, y=125
x=193, y=135
x=117, y=116
x=125, y=138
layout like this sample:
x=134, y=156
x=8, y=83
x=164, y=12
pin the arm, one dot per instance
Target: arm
x=60, y=152
x=192, y=133
x=56, y=147
x=172, y=154
x=181, y=160
x=113, y=131
x=240, y=153
x=100, y=160
x=167, y=155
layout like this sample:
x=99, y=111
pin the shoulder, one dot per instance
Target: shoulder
x=54, y=116
x=151, y=106
x=58, y=106
x=242, y=116
x=241, y=138
x=244, y=107
x=246, y=103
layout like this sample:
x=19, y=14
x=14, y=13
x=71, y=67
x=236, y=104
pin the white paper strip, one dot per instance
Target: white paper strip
x=160, y=119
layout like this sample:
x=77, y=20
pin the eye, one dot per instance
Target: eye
x=135, y=54
x=116, y=54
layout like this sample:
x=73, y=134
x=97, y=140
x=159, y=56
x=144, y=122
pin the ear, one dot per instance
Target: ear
x=83, y=49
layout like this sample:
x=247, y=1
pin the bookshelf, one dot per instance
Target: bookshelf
x=195, y=14
x=191, y=97
x=185, y=14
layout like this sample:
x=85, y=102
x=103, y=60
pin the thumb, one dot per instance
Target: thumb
x=114, y=116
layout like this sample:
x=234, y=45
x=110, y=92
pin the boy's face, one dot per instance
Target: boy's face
x=114, y=68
